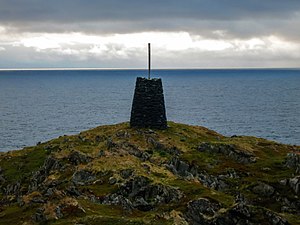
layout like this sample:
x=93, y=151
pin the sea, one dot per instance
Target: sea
x=39, y=105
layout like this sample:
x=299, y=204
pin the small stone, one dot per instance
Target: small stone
x=145, y=156
x=293, y=161
x=200, y=210
x=112, y=180
x=101, y=153
x=99, y=138
x=141, y=204
x=151, y=131
x=122, y=134
x=266, y=169
x=49, y=192
x=110, y=144
x=286, y=209
x=228, y=150
x=276, y=219
x=73, y=191
x=39, y=216
x=83, y=177
x=146, y=167
x=69, y=207
x=263, y=189
x=76, y=158
x=283, y=182
x=99, y=181
x=155, y=144
x=294, y=183
x=2, y=179
x=126, y=173
x=115, y=199
x=58, y=212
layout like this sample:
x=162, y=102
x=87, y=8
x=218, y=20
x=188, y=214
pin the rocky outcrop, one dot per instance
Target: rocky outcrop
x=110, y=144
x=112, y=180
x=201, y=211
x=157, y=145
x=182, y=168
x=49, y=212
x=52, y=147
x=228, y=150
x=263, y=189
x=73, y=191
x=135, y=151
x=293, y=183
x=141, y=194
x=126, y=173
x=76, y=158
x=39, y=216
x=189, y=172
x=101, y=153
x=207, y=212
x=83, y=177
x=39, y=176
x=13, y=189
x=123, y=134
x=2, y=179
x=239, y=214
x=275, y=219
x=293, y=161
x=214, y=182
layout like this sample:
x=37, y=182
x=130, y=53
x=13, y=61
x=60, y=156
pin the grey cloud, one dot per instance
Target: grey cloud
x=245, y=29
x=240, y=19
x=135, y=11
x=18, y=57
x=82, y=10
x=28, y=57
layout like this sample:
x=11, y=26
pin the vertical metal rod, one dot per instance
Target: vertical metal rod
x=149, y=60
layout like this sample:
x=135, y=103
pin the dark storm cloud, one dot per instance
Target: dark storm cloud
x=138, y=15
x=93, y=10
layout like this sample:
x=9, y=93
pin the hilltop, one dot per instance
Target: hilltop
x=121, y=175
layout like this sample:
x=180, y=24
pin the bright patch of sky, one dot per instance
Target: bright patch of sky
x=130, y=46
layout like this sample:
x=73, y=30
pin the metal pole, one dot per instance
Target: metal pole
x=149, y=60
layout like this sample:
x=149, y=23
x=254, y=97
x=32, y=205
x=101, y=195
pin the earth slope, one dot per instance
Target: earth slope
x=181, y=175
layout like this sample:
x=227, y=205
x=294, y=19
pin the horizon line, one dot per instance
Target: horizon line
x=120, y=68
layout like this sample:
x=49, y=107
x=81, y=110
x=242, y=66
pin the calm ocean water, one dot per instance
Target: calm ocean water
x=41, y=105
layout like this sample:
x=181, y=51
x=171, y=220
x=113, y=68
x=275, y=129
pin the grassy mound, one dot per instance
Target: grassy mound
x=182, y=175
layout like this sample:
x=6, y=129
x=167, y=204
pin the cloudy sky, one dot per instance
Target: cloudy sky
x=183, y=33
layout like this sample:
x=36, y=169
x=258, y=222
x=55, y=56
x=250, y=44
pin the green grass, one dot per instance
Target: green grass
x=19, y=165
x=15, y=215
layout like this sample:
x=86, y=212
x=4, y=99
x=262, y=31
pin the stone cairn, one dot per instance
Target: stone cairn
x=148, y=107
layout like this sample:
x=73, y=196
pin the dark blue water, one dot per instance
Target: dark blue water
x=41, y=105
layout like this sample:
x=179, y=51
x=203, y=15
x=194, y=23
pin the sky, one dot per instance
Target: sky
x=182, y=33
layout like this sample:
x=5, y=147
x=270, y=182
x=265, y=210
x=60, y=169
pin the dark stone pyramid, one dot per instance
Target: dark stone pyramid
x=148, y=107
